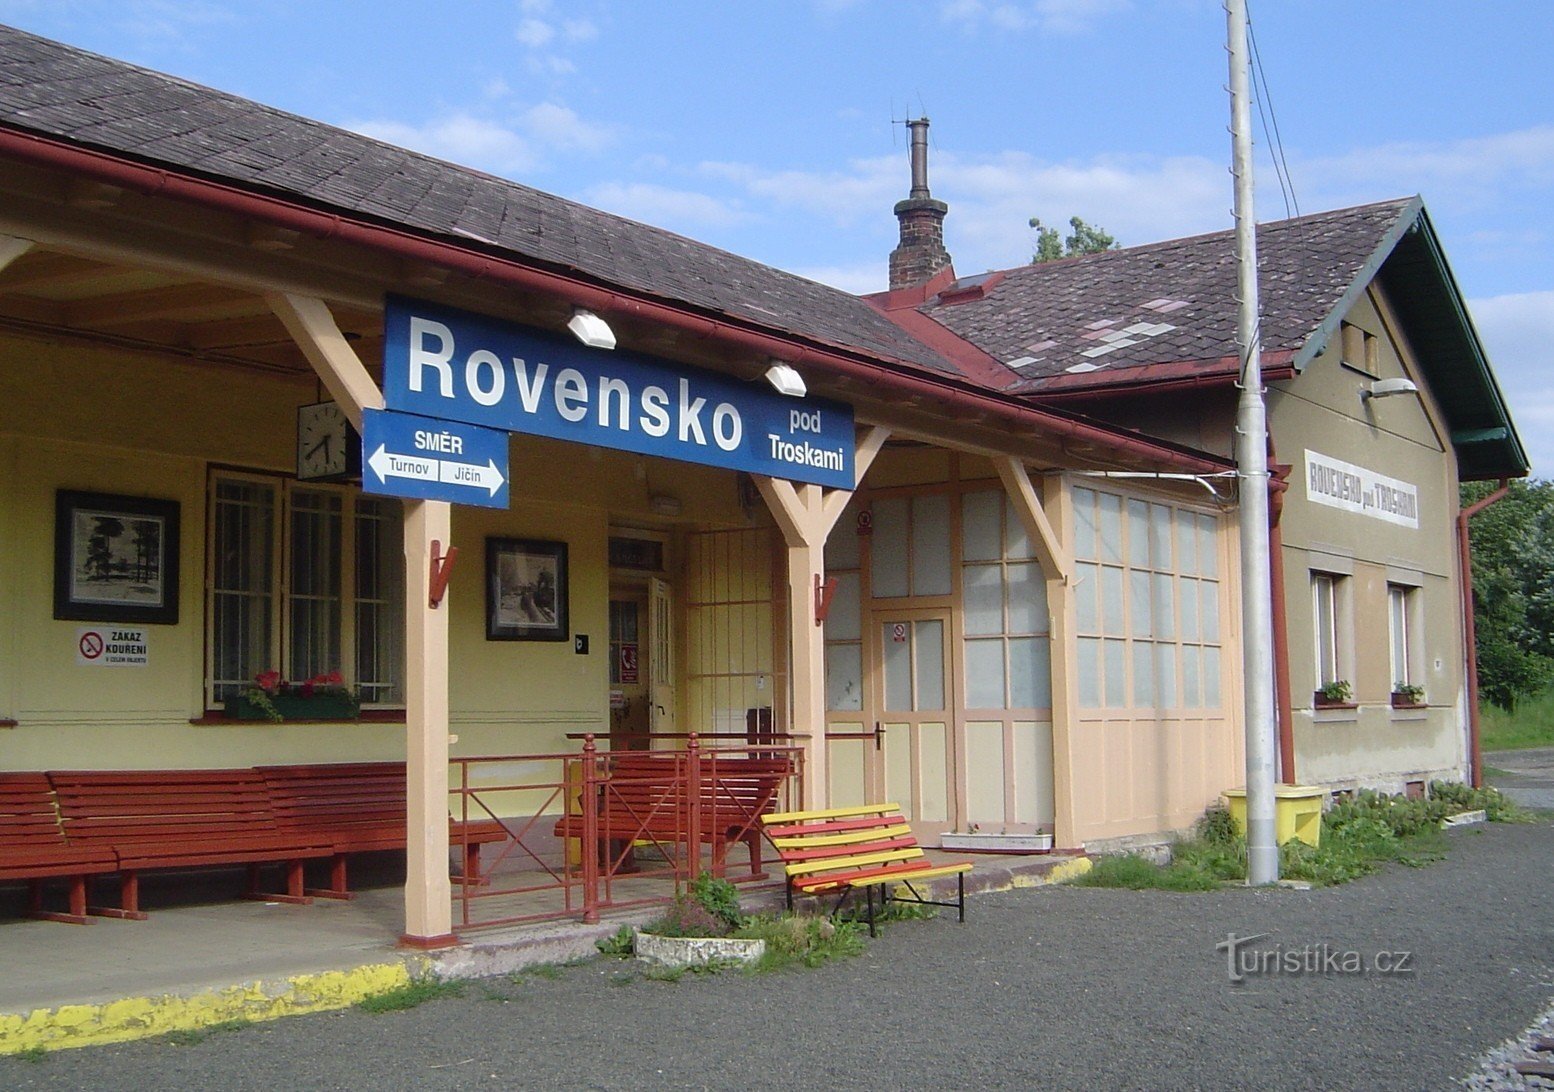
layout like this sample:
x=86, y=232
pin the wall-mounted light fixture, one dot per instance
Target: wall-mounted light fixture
x=590, y=329
x=1385, y=388
x=786, y=379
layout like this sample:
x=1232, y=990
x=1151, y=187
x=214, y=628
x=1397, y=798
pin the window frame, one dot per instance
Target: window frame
x=279, y=581
x=1341, y=627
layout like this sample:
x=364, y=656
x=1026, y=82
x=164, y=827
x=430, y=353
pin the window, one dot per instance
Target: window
x=844, y=623
x=1361, y=350
x=305, y=580
x=1402, y=610
x=1328, y=593
x=910, y=546
x=1007, y=632
x=1147, y=594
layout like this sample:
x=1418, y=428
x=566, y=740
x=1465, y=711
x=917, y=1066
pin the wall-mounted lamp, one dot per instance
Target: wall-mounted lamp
x=590, y=329
x=786, y=379
x=1385, y=388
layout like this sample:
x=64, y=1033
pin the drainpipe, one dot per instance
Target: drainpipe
x=952, y=396
x=1278, y=485
x=1469, y=633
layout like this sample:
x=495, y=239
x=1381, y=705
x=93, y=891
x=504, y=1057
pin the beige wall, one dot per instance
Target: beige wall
x=139, y=425
x=1402, y=437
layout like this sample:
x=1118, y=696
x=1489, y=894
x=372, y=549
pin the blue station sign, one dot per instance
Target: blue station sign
x=455, y=365
x=408, y=456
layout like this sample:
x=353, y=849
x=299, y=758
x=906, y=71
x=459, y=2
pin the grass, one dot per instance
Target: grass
x=409, y=996
x=1530, y=724
x=1358, y=837
x=33, y=1054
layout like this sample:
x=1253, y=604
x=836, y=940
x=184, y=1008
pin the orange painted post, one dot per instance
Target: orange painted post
x=693, y=789
x=590, y=831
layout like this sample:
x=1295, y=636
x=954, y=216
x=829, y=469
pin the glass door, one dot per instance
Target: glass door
x=916, y=740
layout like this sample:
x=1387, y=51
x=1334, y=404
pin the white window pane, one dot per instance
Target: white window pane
x=844, y=678
x=842, y=542
x=985, y=674
x=1192, y=696
x=1027, y=598
x=1138, y=534
x=931, y=545
x=1110, y=526
x=1160, y=535
x=1017, y=543
x=982, y=587
x=1112, y=601
x=1208, y=612
x=1030, y=673
x=1084, y=525
x=1087, y=597
x=982, y=522
x=1089, y=655
x=1208, y=547
x=1116, y=674
x=896, y=638
x=844, y=622
x=1142, y=617
x=1186, y=543
x=1165, y=675
x=1143, y=675
x=929, y=644
x=889, y=547
x=1164, y=605
x=1189, y=609
x=1211, y=698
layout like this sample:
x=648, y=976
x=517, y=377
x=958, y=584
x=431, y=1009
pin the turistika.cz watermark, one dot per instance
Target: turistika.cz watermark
x=1243, y=961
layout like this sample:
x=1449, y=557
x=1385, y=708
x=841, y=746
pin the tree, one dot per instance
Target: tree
x=1084, y=240
x=1512, y=546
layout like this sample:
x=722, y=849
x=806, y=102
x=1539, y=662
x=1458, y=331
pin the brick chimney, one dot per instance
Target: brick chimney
x=921, y=252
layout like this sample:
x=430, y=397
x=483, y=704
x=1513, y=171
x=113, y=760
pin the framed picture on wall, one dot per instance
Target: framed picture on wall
x=115, y=558
x=526, y=590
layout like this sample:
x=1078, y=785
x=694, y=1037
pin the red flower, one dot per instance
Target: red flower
x=269, y=681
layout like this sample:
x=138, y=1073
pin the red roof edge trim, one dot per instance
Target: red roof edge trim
x=973, y=362
x=1153, y=378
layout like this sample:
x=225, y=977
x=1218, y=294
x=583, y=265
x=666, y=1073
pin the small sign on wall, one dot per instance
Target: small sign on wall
x=111, y=646
x=628, y=664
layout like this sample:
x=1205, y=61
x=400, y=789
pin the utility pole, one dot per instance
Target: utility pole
x=1262, y=852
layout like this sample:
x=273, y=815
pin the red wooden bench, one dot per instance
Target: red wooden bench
x=844, y=849
x=359, y=807
x=159, y=819
x=646, y=796
x=33, y=846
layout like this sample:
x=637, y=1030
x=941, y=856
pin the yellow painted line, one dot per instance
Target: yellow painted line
x=143, y=1017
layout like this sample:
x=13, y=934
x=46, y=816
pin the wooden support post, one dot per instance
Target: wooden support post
x=1056, y=567
x=428, y=893
x=313, y=328
x=806, y=514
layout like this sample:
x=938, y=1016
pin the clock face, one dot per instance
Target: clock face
x=325, y=442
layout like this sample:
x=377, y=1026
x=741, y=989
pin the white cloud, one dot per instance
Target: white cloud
x=580, y=30
x=534, y=33
x=858, y=279
x=560, y=127
x=1518, y=331
x=685, y=211
x=1049, y=16
x=461, y=138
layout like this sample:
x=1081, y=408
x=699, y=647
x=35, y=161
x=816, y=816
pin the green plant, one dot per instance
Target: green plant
x=801, y=939
x=33, y=1054
x=268, y=685
x=1413, y=695
x=710, y=908
x=1338, y=691
x=619, y=944
x=719, y=898
x=410, y=995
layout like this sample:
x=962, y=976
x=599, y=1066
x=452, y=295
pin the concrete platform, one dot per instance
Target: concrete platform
x=204, y=957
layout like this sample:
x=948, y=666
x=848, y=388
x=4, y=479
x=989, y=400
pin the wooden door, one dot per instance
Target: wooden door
x=915, y=756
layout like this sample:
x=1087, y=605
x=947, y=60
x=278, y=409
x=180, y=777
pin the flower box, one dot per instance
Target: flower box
x=317, y=706
x=1404, y=701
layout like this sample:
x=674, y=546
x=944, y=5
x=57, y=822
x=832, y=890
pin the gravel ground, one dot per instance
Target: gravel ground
x=1051, y=987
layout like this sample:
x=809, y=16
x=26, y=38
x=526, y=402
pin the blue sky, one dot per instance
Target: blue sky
x=766, y=127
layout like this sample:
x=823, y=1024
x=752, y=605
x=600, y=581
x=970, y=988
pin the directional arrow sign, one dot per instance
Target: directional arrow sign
x=408, y=456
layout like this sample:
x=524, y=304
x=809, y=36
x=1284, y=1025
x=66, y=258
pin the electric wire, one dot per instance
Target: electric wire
x=1271, y=124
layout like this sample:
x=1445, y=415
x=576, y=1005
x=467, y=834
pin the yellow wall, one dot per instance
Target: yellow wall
x=146, y=426
x=1402, y=437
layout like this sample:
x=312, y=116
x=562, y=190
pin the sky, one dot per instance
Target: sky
x=772, y=128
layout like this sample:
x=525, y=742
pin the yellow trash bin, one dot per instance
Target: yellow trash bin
x=1297, y=812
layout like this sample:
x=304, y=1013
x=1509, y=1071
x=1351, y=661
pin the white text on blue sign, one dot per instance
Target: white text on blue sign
x=444, y=363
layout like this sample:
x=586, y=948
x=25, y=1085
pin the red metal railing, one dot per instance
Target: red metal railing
x=606, y=830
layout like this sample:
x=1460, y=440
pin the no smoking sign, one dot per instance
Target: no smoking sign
x=109, y=646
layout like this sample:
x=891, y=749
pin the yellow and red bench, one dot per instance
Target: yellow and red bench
x=868, y=846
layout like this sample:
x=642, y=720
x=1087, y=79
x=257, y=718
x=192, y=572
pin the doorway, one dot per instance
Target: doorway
x=915, y=755
x=629, y=688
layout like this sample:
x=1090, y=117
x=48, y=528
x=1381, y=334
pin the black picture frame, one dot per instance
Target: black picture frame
x=526, y=590
x=115, y=558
